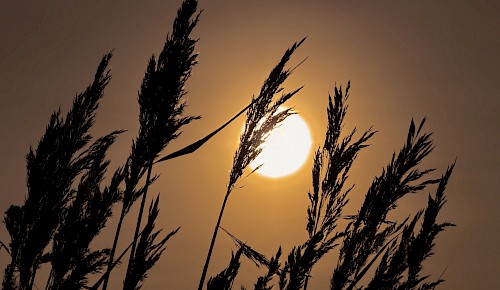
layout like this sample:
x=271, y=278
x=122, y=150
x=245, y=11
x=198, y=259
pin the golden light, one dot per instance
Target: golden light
x=286, y=148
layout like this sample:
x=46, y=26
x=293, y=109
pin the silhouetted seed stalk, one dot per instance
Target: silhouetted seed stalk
x=52, y=169
x=329, y=174
x=148, y=250
x=67, y=205
x=262, y=118
x=369, y=238
x=161, y=108
x=71, y=257
x=370, y=235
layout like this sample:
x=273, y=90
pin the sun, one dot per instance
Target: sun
x=286, y=148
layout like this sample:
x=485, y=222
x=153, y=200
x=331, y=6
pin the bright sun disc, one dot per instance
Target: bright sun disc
x=286, y=148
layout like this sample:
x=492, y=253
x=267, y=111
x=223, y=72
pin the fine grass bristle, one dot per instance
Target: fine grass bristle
x=70, y=199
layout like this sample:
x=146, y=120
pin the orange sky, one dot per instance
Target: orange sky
x=405, y=59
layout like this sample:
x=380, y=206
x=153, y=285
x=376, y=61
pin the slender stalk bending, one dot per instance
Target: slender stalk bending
x=262, y=117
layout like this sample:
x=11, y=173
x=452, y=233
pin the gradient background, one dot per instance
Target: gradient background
x=405, y=59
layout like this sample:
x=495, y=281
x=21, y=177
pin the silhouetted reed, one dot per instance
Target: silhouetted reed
x=224, y=280
x=71, y=257
x=53, y=166
x=369, y=233
x=161, y=108
x=72, y=217
x=401, y=264
x=148, y=250
x=262, y=117
x=369, y=236
x=329, y=174
x=68, y=203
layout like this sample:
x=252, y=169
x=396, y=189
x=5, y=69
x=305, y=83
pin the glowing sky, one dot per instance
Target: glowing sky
x=405, y=59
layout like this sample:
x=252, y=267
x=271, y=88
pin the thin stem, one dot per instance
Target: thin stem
x=306, y=281
x=138, y=225
x=32, y=281
x=114, y=264
x=315, y=230
x=50, y=279
x=216, y=230
x=113, y=249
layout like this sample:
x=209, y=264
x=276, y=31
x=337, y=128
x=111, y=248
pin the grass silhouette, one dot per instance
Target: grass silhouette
x=396, y=249
x=262, y=117
x=68, y=203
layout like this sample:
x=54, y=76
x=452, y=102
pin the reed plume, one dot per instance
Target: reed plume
x=149, y=249
x=401, y=264
x=369, y=237
x=224, y=280
x=71, y=258
x=262, y=118
x=327, y=200
x=52, y=168
x=161, y=117
x=369, y=234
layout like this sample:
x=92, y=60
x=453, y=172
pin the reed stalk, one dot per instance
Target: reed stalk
x=137, y=228
x=262, y=118
x=52, y=166
x=161, y=107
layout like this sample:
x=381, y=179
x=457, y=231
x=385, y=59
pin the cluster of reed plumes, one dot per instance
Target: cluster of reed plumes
x=69, y=200
x=68, y=203
x=394, y=250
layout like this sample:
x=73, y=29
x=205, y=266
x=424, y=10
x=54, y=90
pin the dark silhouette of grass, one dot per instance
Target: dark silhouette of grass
x=71, y=258
x=53, y=167
x=369, y=237
x=160, y=118
x=161, y=109
x=148, y=249
x=68, y=203
x=262, y=117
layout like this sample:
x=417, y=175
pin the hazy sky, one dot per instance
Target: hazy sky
x=405, y=59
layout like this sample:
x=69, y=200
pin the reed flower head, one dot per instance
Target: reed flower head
x=161, y=98
x=263, y=116
x=52, y=168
